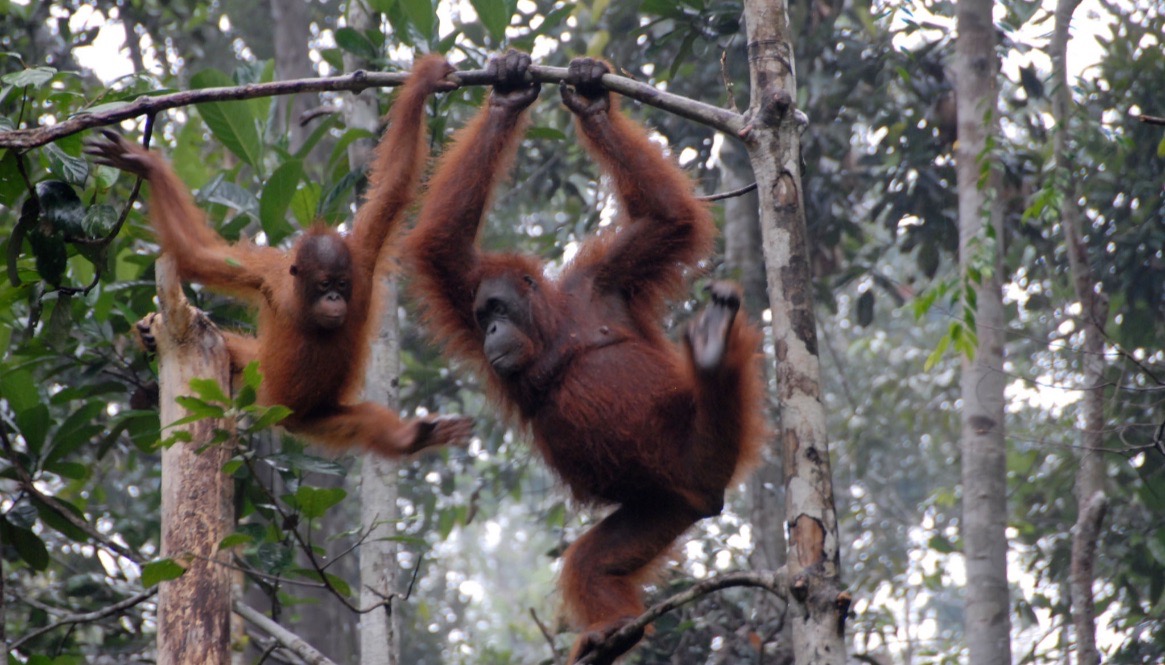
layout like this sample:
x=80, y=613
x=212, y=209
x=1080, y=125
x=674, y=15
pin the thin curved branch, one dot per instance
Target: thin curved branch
x=24, y=139
x=86, y=617
x=729, y=194
x=772, y=581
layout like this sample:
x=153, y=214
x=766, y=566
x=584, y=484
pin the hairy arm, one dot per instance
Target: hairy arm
x=667, y=229
x=398, y=161
x=200, y=254
x=442, y=250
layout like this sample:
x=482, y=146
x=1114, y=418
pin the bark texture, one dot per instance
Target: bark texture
x=379, y=629
x=292, y=25
x=984, y=454
x=1090, y=478
x=818, y=606
x=194, y=611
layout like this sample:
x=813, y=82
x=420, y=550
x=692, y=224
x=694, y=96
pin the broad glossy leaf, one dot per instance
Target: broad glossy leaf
x=495, y=15
x=36, y=76
x=161, y=570
x=276, y=198
x=232, y=123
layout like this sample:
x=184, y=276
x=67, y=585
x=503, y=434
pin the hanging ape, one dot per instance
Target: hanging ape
x=316, y=302
x=624, y=416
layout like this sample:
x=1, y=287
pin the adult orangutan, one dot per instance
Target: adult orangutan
x=316, y=302
x=624, y=416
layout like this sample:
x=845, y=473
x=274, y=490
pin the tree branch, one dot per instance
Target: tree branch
x=24, y=139
x=86, y=617
x=285, y=637
x=773, y=581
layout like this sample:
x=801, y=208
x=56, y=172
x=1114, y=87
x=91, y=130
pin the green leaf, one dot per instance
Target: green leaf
x=446, y=520
x=381, y=6
x=54, y=520
x=234, y=539
x=276, y=198
x=209, y=390
x=70, y=470
x=37, y=76
x=495, y=15
x=354, y=42
x=29, y=546
x=33, y=424
x=271, y=415
x=18, y=388
x=162, y=570
x=421, y=13
x=305, y=202
x=937, y=354
x=313, y=502
x=197, y=410
x=1161, y=148
x=232, y=123
x=339, y=584
x=100, y=220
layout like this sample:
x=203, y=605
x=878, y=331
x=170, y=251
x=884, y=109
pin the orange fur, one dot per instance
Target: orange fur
x=315, y=372
x=618, y=411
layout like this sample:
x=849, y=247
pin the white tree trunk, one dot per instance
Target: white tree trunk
x=818, y=606
x=984, y=454
x=379, y=630
x=194, y=611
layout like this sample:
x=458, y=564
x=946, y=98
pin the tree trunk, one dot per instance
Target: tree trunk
x=984, y=460
x=744, y=258
x=818, y=606
x=380, y=629
x=1090, y=497
x=292, y=26
x=194, y=611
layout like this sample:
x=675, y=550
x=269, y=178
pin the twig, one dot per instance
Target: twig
x=285, y=637
x=24, y=139
x=1152, y=119
x=28, y=485
x=546, y=634
x=86, y=617
x=773, y=581
x=728, y=195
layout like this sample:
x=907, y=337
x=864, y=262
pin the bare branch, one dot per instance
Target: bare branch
x=86, y=617
x=1152, y=119
x=24, y=139
x=285, y=637
x=773, y=581
x=729, y=194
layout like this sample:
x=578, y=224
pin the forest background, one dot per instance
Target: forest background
x=478, y=532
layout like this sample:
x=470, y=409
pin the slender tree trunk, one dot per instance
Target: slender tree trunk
x=744, y=258
x=318, y=622
x=984, y=459
x=292, y=28
x=818, y=606
x=380, y=629
x=194, y=611
x=1090, y=497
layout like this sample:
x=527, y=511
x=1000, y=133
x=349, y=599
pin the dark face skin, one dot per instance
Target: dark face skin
x=323, y=279
x=502, y=311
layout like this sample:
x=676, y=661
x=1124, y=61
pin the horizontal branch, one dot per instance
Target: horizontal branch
x=24, y=139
